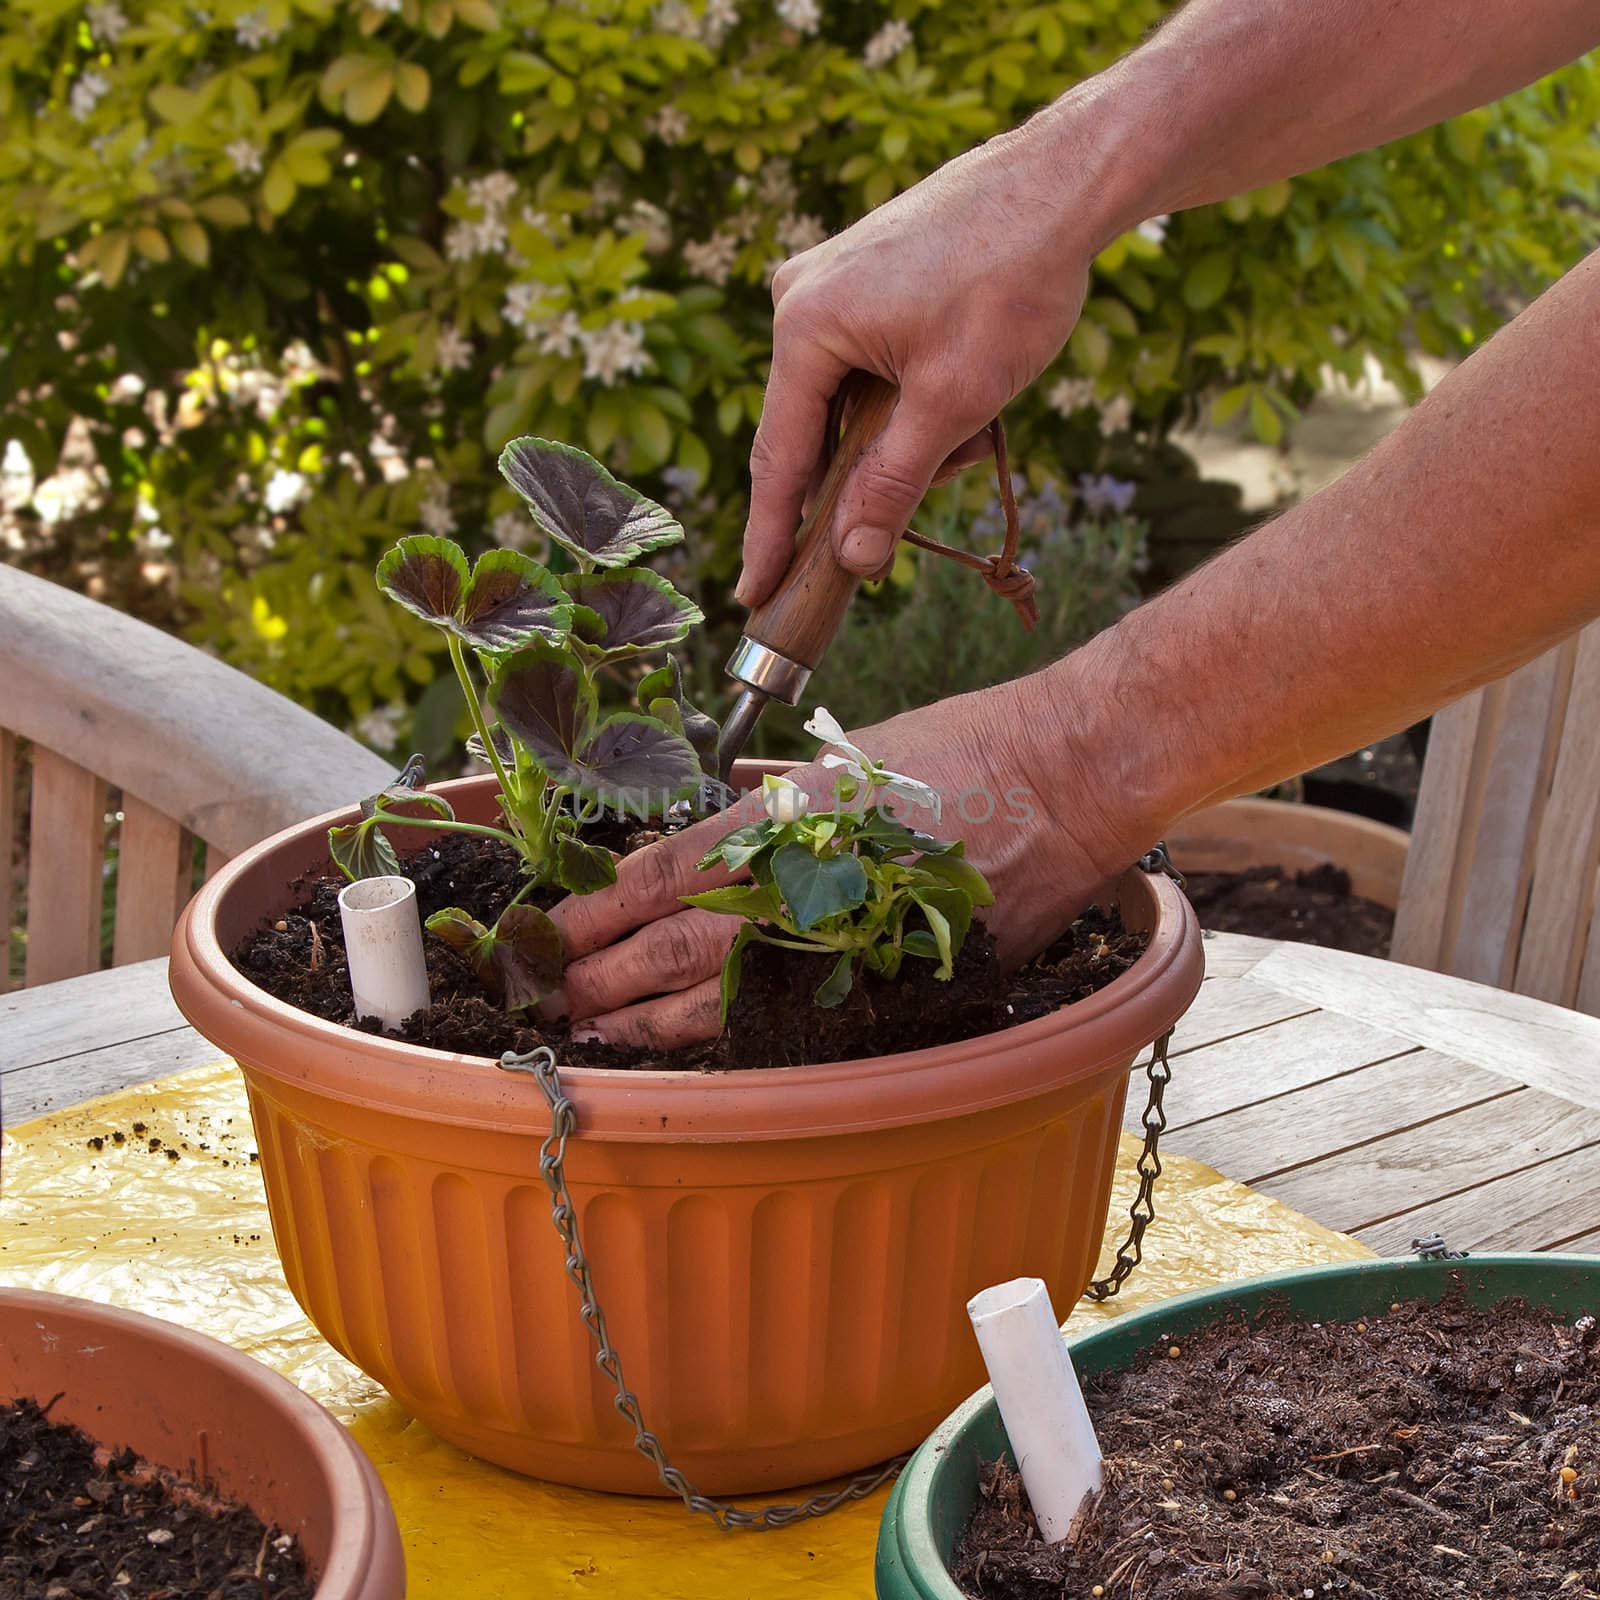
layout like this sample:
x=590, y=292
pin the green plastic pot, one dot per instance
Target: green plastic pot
x=933, y=1500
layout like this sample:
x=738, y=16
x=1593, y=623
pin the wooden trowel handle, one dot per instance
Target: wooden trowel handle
x=801, y=617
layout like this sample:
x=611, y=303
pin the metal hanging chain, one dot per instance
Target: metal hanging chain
x=1000, y=571
x=540, y=1064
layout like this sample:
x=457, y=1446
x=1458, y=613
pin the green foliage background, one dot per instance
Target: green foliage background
x=241, y=242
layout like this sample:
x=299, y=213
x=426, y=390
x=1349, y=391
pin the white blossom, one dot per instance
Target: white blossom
x=719, y=19
x=784, y=799
x=512, y=530
x=742, y=224
x=673, y=16
x=1154, y=228
x=300, y=365
x=855, y=761
x=775, y=186
x=434, y=513
x=493, y=192
x=613, y=350
x=646, y=217
x=559, y=336
x=245, y=155
x=390, y=7
x=1070, y=394
x=125, y=389
x=381, y=726
x=485, y=237
x=712, y=260
x=154, y=541
x=107, y=22
x=64, y=494
x=1116, y=415
x=804, y=16
x=255, y=29
x=86, y=94
x=16, y=477
x=605, y=194
x=452, y=349
x=670, y=125
x=797, y=233
x=285, y=490
x=887, y=43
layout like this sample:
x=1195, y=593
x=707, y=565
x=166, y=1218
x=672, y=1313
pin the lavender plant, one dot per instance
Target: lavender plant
x=537, y=644
x=858, y=886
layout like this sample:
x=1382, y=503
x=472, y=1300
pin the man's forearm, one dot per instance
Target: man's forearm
x=1463, y=545
x=1233, y=94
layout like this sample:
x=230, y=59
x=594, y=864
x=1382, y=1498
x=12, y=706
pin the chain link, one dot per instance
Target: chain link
x=540, y=1065
x=1433, y=1248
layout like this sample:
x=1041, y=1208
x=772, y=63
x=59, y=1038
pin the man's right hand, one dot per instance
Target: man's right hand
x=960, y=291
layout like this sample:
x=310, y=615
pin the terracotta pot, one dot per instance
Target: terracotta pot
x=1260, y=833
x=196, y=1407
x=783, y=1254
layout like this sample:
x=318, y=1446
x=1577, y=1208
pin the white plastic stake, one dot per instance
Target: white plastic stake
x=383, y=944
x=1040, y=1402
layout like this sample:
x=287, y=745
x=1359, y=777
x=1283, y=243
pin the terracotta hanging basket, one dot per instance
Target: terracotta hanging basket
x=208, y=1413
x=783, y=1254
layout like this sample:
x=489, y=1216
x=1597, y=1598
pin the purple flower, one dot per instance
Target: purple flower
x=1105, y=493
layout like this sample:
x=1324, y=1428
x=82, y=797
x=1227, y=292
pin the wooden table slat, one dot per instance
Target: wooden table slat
x=100, y=1008
x=31, y=1091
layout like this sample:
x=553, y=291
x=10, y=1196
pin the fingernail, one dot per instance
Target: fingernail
x=741, y=592
x=862, y=549
x=586, y=1036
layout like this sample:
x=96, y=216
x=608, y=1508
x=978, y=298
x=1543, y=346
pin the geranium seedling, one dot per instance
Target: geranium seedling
x=541, y=642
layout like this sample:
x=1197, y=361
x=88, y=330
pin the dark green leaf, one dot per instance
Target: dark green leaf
x=731, y=965
x=583, y=868
x=638, y=609
x=814, y=888
x=919, y=942
x=502, y=746
x=426, y=575
x=511, y=601
x=459, y=929
x=632, y=762
x=582, y=507
x=734, y=850
x=888, y=836
x=545, y=701
x=525, y=956
x=752, y=900
x=949, y=914
x=702, y=731
x=836, y=988
x=360, y=850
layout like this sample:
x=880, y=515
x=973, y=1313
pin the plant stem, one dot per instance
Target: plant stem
x=446, y=825
x=459, y=662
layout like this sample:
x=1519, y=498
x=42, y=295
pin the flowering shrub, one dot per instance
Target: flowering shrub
x=282, y=278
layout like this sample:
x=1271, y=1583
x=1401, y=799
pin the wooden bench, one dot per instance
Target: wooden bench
x=96, y=701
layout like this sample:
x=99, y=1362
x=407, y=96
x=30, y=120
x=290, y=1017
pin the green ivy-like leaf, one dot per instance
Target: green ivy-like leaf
x=732, y=964
x=753, y=900
x=736, y=848
x=949, y=914
x=959, y=874
x=582, y=507
x=817, y=887
x=637, y=610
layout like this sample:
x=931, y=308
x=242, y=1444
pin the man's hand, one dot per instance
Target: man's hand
x=644, y=968
x=960, y=291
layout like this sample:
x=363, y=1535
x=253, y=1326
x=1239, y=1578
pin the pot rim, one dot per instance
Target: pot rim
x=993, y=1069
x=906, y=1530
x=362, y=1536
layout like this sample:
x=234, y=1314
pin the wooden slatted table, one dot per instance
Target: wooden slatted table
x=1382, y=1100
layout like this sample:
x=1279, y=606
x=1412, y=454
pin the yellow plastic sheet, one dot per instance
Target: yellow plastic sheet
x=188, y=1239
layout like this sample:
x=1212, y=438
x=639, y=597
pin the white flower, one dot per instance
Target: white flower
x=1070, y=394
x=673, y=16
x=285, y=490
x=713, y=260
x=1154, y=228
x=381, y=726
x=494, y=191
x=485, y=237
x=719, y=18
x=125, y=389
x=800, y=233
x=670, y=125
x=452, y=350
x=517, y=307
x=254, y=29
x=804, y=16
x=825, y=726
x=154, y=541
x=887, y=43
x=16, y=477
x=107, y=22
x=245, y=155
x=559, y=336
x=434, y=513
x=785, y=800
x=390, y=7
x=1116, y=415
x=612, y=350
x=646, y=217
x=86, y=94
x=512, y=530
x=776, y=187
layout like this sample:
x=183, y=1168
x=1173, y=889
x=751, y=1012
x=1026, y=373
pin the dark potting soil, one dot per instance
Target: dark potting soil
x=1434, y=1451
x=299, y=958
x=79, y=1523
x=1310, y=907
